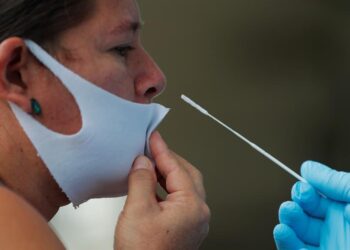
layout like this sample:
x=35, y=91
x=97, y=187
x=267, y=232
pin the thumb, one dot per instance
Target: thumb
x=332, y=183
x=142, y=183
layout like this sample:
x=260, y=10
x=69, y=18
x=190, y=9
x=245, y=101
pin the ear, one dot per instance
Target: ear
x=13, y=60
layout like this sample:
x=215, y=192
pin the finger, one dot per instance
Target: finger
x=142, y=184
x=195, y=174
x=286, y=239
x=310, y=200
x=347, y=213
x=333, y=184
x=308, y=229
x=176, y=177
x=161, y=180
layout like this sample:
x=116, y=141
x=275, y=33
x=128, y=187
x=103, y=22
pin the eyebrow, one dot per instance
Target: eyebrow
x=127, y=26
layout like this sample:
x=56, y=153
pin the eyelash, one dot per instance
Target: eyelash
x=123, y=51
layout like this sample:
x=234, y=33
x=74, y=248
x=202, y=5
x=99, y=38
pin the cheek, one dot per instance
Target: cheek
x=60, y=111
x=105, y=71
x=118, y=83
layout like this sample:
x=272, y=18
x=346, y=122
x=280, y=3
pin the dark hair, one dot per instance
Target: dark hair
x=41, y=20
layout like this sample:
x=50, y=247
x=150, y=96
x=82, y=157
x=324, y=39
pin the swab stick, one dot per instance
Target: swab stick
x=253, y=145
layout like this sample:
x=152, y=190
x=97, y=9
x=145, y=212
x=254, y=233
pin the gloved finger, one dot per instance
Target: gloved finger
x=310, y=200
x=332, y=183
x=308, y=229
x=286, y=239
x=347, y=213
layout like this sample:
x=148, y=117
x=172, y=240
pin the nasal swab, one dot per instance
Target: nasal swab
x=256, y=147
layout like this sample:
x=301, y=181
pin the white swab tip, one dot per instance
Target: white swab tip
x=186, y=99
x=193, y=104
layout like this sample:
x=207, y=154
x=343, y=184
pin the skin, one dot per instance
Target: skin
x=102, y=42
x=181, y=221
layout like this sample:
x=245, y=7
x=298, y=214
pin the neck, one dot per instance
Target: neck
x=22, y=171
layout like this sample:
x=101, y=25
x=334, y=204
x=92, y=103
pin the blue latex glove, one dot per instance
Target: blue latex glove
x=311, y=221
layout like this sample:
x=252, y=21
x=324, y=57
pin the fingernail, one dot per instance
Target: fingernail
x=302, y=191
x=299, y=190
x=142, y=162
x=158, y=134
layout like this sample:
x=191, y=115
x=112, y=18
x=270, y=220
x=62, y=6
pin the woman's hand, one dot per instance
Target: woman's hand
x=181, y=221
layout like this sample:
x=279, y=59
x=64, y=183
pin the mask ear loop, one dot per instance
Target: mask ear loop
x=36, y=108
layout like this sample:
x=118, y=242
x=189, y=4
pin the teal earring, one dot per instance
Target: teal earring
x=36, y=108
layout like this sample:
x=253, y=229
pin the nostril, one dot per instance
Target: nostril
x=151, y=91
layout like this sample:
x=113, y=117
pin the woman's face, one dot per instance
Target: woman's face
x=106, y=50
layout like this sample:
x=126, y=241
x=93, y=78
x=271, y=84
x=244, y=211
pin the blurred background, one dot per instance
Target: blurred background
x=277, y=71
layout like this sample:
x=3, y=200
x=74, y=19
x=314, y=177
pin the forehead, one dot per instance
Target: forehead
x=108, y=24
x=116, y=10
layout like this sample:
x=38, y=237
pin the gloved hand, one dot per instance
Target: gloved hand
x=312, y=221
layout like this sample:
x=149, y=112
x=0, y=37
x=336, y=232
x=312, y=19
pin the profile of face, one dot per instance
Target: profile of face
x=106, y=50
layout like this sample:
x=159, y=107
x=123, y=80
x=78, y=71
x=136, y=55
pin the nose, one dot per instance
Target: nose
x=150, y=81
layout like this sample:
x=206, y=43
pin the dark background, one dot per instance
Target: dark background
x=275, y=70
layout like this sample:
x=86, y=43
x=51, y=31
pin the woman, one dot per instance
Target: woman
x=100, y=42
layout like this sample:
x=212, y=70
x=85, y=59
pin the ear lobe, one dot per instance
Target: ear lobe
x=13, y=59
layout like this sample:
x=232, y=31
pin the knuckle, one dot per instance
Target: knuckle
x=206, y=212
x=138, y=209
x=142, y=175
x=167, y=159
x=166, y=155
x=340, y=181
x=201, y=211
x=206, y=230
x=197, y=174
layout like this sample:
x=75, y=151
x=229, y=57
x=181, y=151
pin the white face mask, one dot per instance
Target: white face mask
x=95, y=162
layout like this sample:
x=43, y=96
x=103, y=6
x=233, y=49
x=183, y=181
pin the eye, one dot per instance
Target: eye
x=123, y=50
